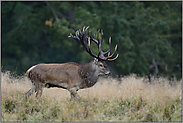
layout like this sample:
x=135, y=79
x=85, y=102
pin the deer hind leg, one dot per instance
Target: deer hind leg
x=31, y=91
x=36, y=87
x=39, y=93
x=74, y=94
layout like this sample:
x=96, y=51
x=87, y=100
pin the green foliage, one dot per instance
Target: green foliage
x=34, y=32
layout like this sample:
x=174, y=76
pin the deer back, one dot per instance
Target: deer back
x=54, y=72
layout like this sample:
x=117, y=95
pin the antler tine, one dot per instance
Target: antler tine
x=89, y=44
x=84, y=39
x=74, y=37
x=99, y=46
x=113, y=58
x=112, y=53
x=109, y=47
x=100, y=50
x=102, y=35
x=85, y=34
x=83, y=29
x=70, y=35
x=93, y=39
x=97, y=42
x=87, y=28
x=89, y=51
x=79, y=32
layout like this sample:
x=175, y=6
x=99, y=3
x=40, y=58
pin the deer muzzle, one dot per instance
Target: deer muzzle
x=108, y=73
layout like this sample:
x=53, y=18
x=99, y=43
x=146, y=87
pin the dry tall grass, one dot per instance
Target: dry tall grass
x=124, y=100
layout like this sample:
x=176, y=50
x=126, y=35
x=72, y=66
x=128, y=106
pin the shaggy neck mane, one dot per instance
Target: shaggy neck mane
x=88, y=73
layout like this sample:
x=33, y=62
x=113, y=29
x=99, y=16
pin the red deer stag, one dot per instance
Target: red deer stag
x=71, y=76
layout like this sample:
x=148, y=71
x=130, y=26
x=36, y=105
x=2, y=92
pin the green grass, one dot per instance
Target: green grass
x=110, y=100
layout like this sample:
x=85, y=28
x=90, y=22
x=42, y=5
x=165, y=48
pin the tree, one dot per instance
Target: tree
x=148, y=34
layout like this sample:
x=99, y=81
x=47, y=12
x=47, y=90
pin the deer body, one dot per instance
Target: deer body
x=70, y=75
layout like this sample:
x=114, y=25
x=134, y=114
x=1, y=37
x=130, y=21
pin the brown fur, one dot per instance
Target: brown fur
x=70, y=76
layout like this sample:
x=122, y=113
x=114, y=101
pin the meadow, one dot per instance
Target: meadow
x=126, y=99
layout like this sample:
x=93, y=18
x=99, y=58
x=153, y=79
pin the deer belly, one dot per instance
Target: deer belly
x=56, y=84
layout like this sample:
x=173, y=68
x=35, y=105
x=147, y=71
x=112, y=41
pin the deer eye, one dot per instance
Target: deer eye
x=101, y=65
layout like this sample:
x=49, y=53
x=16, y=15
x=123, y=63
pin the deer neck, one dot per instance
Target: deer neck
x=88, y=73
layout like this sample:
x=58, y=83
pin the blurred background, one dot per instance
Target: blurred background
x=148, y=35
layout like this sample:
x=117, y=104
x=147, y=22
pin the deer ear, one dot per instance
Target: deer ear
x=96, y=61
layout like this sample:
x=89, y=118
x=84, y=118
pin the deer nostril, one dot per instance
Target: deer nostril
x=108, y=73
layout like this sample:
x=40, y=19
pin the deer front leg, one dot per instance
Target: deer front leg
x=39, y=93
x=74, y=94
x=39, y=89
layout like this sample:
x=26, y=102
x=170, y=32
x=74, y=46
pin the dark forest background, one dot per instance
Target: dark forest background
x=148, y=34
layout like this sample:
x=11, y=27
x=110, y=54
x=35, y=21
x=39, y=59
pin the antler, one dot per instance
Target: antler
x=83, y=40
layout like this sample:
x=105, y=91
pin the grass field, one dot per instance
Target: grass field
x=128, y=99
